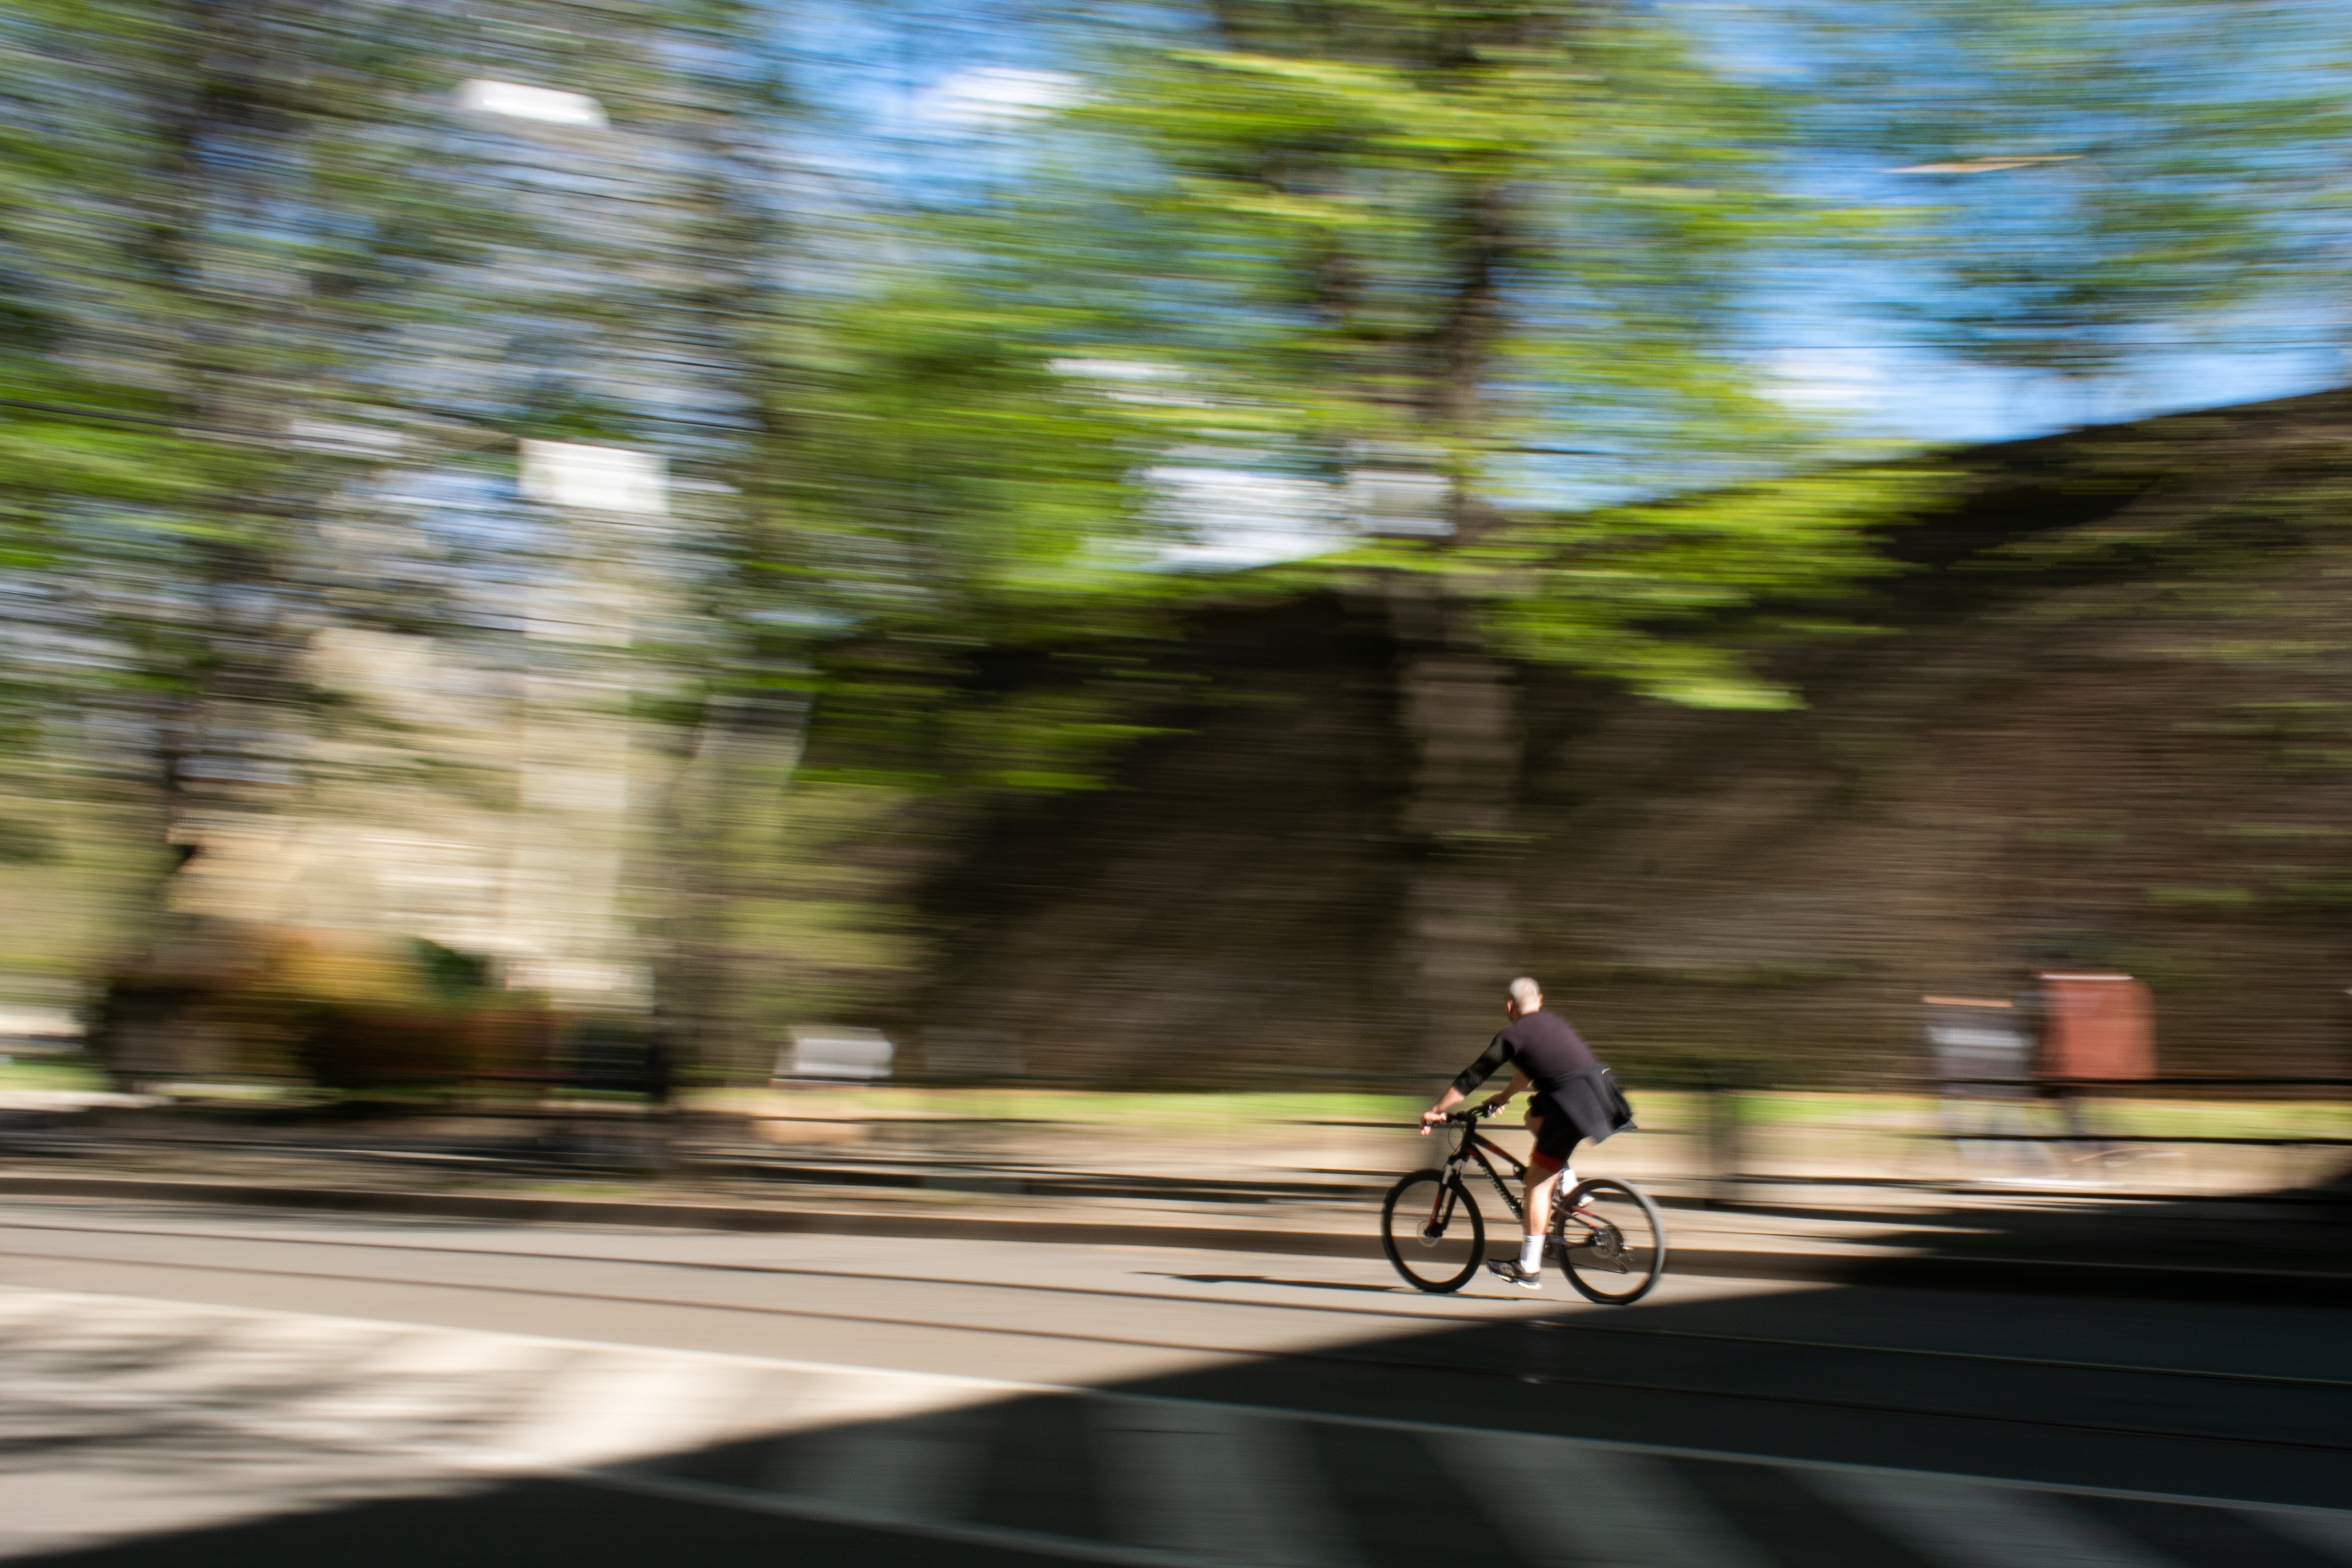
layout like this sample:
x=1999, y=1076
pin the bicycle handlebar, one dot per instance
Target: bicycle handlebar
x=1475, y=1114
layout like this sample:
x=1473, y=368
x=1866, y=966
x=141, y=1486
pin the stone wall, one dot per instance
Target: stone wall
x=2105, y=716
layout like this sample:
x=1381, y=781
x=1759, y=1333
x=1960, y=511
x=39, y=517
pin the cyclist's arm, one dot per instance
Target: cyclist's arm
x=1437, y=1113
x=1520, y=1083
x=1469, y=1078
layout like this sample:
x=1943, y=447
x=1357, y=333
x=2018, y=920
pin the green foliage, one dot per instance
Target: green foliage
x=2086, y=182
x=1466, y=242
x=26, y=843
x=1376, y=239
x=265, y=285
x=1632, y=592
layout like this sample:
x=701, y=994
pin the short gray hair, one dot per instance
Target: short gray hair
x=1524, y=990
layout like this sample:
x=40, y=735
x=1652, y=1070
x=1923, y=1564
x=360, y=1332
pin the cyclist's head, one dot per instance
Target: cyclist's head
x=1527, y=997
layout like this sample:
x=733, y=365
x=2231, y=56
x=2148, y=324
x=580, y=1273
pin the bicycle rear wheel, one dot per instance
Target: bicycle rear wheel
x=1431, y=1230
x=1612, y=1241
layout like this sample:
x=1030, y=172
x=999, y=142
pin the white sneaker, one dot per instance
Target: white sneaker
x=1508, y=1270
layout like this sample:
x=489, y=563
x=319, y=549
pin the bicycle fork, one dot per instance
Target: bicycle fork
x=1441, y=1211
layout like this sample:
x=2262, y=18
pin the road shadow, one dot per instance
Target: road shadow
x=2293, y=1240
x=1388, y=1289
x=1728, y=1410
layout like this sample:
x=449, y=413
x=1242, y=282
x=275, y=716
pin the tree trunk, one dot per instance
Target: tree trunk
x=1457, y=708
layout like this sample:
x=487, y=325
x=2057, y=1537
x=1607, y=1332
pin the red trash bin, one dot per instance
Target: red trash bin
x=2097, y=1026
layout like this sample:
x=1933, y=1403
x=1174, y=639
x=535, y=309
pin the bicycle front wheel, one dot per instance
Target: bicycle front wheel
x=1433, y=1232
x=1610, y=1241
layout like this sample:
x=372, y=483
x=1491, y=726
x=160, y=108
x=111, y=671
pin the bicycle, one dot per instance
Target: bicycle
x=1433, y=1232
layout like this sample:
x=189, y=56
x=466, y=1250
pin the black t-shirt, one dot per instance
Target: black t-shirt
x=1540, y=1045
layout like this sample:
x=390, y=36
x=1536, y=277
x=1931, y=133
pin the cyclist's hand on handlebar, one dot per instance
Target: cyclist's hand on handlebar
x=1494, y=1103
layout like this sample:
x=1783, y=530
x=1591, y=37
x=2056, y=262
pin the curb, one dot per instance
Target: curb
x=2007, y=1274
x=696, y=1216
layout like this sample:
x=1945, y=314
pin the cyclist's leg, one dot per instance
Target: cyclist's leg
x=1543, y=1180
x=1555, y=1139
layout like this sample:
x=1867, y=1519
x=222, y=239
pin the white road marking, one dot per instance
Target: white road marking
x=133, y=1416
x=606, y=1407
x=223, y=1352
x=1216, y=1482
x=23, y=1308
x=1966, y=1524
x=130, y=1415
x=918, y=1466
x=432, y=1394
x=2329, y=1534
x=835, y=1396
x=1580, y=1505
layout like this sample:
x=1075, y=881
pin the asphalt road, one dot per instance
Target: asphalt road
x=187, y=1386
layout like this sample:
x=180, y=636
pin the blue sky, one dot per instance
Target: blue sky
x=921, y=101
x=926, y=95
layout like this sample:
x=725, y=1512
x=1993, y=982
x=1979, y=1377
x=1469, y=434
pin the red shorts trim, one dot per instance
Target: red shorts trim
x=1547, y=1165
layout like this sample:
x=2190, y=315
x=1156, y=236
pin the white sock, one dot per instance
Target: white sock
x=1531, y=1254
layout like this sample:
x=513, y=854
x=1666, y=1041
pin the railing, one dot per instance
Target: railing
x=1712, y=1136
x=2072, y=1102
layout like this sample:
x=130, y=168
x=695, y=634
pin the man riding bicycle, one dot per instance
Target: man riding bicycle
x=1575, y=1099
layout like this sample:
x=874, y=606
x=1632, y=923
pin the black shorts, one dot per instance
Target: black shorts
x=1556, y=1136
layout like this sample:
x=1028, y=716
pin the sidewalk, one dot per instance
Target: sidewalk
x=1855, y=1191
x=1827, y=1228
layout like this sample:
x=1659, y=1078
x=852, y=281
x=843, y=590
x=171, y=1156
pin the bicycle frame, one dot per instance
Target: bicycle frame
x=1474, y=1149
